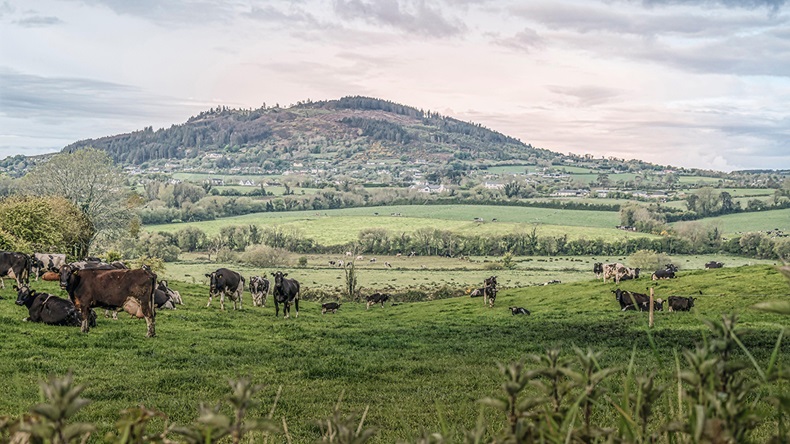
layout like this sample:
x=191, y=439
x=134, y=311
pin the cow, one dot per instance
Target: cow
x=174, y=295
x=50, y=309
x=43, y=262
x=387, y=264
x=714, y=264
x=376, y=298
x=111, y=289
x=671, y=267
x=619, y=272
x=519, y=311
x=372, y=260
x=552, y=282
x=162, y=297
x=329, y=306
x=626, y=298
x=598, y=269
x=224, y=282
x=286, y=292
x=680, y=303
x=489, y=291
x=16, y=266
x=662, y=274
x=259, y=289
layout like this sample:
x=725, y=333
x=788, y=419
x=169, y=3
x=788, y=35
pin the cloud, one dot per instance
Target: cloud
x=527, y=40
x=410, y=16
x=587, y=95
x=38, y=21
x=173, y=12
x=272, y=14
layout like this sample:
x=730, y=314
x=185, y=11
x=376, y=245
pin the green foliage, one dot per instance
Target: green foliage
x=350, y=288
x=648, y=260
x=302, y=261
x=264, y=256
x=42, y=224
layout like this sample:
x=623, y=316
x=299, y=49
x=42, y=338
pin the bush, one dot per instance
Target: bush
x=302, y=262
x=264, y=256
x=648, y=260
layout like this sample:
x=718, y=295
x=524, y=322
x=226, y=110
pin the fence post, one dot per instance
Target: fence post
x=650, y=322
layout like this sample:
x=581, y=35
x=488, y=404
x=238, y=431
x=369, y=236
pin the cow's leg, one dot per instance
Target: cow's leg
x=286, y=310
x=85, y=311
x=209, y=300
x=296, y=302
x=276, y=308
x=222, y=301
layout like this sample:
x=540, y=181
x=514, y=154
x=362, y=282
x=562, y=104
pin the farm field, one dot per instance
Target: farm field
x=416, y=365
x=754, y=221
x=335, y=227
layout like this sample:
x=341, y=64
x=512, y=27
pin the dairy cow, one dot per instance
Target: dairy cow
x=286, y=292
x=225, y=282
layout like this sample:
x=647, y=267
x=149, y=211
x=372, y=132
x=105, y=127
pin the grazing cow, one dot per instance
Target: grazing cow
x=680, y=303
x=598, y=269
x=111, y=289
x=519, y=311
x=376, y=298
x=714, y=264
x=224, y=282
x=50, y=309
x=44, y=262
x=619, y=272
x=359, y=258
x=658, y=305
x=16, y=266
x=372, y=260
x=552, y=282
x=387, y=264
x=489, y=291
x=259, y=289
x=286, y=291
x=348, y=253
x=663, y=274
x=332, y=263
x=626, y=298
x=329, y=306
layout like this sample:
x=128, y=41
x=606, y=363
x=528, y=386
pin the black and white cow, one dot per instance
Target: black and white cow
x=489, y=291
x=376, y=298
x=680, y=303
x=631, y=298
x=598, y=269
x=714, y=264
x=224, y=282
x=16, y=266
x=286, y=292
x=259, y=289
x=43, y=262
x=329, y=306
x=50, y=309
x=662, y=274
x=519, y=311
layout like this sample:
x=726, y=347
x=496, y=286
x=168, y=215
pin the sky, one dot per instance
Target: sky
x=690, y=83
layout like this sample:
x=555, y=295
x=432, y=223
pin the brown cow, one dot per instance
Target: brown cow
x=111, y=289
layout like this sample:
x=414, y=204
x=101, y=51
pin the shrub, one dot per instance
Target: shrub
x=264, y=256
x=648, y=260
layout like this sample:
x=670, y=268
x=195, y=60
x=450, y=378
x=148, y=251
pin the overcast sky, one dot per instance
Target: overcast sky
x=694, y=83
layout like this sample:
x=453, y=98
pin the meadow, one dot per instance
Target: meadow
x=754, y=221
x=337, y=227
x=416, y=365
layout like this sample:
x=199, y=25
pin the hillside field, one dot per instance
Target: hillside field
x=336, y=227
x=416, y=365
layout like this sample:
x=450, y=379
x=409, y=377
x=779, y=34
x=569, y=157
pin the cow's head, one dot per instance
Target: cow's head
x=213, y=279
x=278, y=278
x=24, y=295
x=691, y=302
x=636, y=273
x=67, y=272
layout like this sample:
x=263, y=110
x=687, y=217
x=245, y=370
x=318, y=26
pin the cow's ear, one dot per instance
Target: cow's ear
x=286, y=274
x=208, y=275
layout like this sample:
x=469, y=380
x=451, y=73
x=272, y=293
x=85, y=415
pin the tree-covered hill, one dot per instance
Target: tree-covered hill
x=345, y=131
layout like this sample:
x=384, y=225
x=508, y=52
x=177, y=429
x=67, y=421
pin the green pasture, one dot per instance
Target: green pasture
x=415, y=365
x=429, y=272
x=228, y=178
x=753, y=221
x=334, y=227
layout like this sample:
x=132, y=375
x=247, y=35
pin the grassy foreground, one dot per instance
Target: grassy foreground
x=415, y=364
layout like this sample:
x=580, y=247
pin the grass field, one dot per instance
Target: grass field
x=416, y=365
x=335, y=227
x=754, y=221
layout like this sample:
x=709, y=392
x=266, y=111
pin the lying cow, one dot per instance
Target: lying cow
x=50, y=309
x=259, y=289
x=680, y=303
x=376, y=298
x=224, y=282
x=714, y=264
x=518, y=311
x=626, y=298
x=286, y=292
x=663, y=274
x=111, y=289
x=329, y=306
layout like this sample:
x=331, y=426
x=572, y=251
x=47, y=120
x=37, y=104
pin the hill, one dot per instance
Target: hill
x=349, y=131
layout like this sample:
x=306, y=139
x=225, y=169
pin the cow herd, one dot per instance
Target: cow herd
x=631, y=300
x=114, y=287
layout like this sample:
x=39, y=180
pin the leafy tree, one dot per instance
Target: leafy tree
x=91, y=182
x=42, y=224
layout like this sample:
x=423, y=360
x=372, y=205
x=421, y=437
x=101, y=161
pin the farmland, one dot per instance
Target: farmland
x=334, y=227
x=416, y=365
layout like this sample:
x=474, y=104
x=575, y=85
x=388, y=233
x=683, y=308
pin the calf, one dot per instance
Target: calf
x=286, y=292
x=50, y=309
x=329, y=306
x=598, y=269
x=626, y=298
x=680, y=303
x=224, y=282
x=16, y=266
x=259, y=289
x=714, y=264
x=518, y=311
x=111, y=289
x=376, y=298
